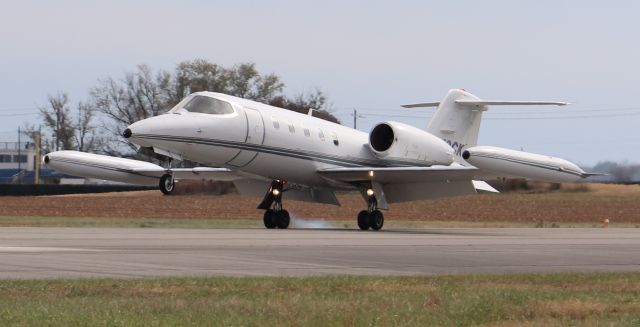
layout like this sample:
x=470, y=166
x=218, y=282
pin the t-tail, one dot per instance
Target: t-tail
x=458, y=117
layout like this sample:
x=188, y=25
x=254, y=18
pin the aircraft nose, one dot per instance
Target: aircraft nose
x=126, y=133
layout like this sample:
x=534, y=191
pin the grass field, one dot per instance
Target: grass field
x=590, y=299
x=566, y=207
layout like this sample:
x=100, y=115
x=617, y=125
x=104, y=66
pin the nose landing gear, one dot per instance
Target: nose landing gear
x=275, y=217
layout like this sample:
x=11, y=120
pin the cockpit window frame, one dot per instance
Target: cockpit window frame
x=183, y=106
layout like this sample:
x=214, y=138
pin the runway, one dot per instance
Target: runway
x=37, y=253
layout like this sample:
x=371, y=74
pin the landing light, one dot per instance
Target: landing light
x=275, y=192
x=369, y=192
x=370, y=173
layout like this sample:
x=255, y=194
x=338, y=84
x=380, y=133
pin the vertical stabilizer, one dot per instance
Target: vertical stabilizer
x=456, y=123
x=457, y=119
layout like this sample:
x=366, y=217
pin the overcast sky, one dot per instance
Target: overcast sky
x=368, y=55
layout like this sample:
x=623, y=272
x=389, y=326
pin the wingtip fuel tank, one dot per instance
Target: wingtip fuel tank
x=102, y=167
x=512, y=163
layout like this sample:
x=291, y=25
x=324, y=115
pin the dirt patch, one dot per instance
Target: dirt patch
x=618, y=203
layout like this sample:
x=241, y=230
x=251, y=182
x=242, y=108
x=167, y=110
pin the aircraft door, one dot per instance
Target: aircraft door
x=255, y=137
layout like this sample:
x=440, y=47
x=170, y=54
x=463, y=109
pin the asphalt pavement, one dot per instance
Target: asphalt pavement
x=36, y=253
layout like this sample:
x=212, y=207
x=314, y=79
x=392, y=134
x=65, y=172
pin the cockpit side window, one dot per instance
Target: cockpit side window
x=208, y=105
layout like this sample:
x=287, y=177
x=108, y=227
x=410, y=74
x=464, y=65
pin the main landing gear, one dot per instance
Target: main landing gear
x=276, y=216
x=372, y=217
x=167, y=184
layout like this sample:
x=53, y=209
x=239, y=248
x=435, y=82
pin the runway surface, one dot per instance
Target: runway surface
x=27, y=253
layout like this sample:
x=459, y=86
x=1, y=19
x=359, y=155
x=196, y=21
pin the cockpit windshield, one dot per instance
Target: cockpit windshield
x=208, y=105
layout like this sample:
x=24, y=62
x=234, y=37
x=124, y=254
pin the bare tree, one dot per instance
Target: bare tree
x=85, y=136
x=137, y=96
x=58, y=120
x=303, y=102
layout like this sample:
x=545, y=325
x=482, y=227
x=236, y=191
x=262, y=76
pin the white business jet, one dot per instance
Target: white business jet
x=300, y=157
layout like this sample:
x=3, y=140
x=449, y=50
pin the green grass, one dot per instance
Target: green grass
x=10, y=221
x=538, y=299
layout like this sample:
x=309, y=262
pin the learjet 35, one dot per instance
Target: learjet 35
x=277, y=154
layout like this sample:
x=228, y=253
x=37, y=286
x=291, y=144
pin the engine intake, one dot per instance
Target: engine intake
x=401, y=142
x=381, y=137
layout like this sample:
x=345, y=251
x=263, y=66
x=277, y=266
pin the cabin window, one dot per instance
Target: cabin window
x=208, y=105
x=334, y=136
x=292, y=129
x=276, y=124
x=306, y=132
x=320, y=135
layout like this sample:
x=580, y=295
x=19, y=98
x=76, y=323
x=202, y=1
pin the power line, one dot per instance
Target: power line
x=489, y=117
x=564, y=117
x=19, y=109
x=567, y=111
x=23, y=114
x=493, y=112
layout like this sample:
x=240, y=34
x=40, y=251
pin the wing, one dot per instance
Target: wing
x=218, y=174
x=400, y=184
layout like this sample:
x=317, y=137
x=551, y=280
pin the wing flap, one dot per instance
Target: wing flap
x=484, y=186
x=398, y=175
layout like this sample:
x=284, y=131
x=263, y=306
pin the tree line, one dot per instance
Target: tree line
x=96, y=124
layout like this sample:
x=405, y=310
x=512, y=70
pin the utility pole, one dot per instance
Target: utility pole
x=19, y=159
x=36, y=176
x=355, y=118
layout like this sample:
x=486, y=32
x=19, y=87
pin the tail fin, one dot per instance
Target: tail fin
x=458, y=117
x=456, y=123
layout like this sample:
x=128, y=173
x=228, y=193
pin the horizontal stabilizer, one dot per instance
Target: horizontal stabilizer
x=421, y=105
x=489, y=103
x=510, y=103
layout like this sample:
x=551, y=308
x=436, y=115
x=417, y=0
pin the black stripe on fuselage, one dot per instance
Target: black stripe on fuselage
x=300, y=154
x=529, y=163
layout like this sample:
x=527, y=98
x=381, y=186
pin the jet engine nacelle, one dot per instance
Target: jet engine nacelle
x=397, y=141
x=511, y=163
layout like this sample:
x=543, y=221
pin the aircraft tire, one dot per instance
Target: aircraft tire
x=283, y=219
x=363, y=220
x=376, y=219
x=167, y=184
x=269, y=219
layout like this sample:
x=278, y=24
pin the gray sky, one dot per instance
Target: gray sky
x=369, y=55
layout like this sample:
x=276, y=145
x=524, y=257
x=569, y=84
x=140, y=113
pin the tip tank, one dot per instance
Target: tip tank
x=512, y=163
